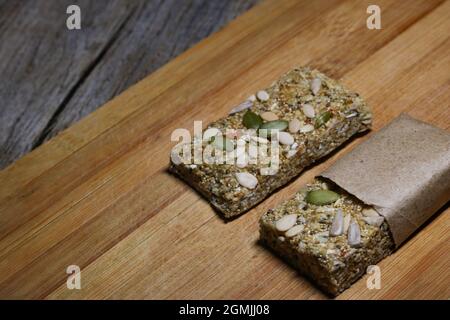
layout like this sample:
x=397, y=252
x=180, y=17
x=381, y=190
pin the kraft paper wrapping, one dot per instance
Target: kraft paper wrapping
x=403, y=171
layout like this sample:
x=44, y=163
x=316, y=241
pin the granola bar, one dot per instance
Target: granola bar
x=328, y=235
x=313, y=114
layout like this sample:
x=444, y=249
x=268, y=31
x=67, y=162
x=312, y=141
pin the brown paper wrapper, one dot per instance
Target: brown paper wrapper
x=403, y=171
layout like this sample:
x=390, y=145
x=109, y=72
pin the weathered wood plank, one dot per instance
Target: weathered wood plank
x=53, y=77
x=42, y=63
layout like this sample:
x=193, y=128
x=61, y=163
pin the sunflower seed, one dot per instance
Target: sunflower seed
x=286, y=222
x=347, y=219
x=242, y=160
x=321, y=197
x=307, y=128
x=251, y=120
x=269, y=116
x=285, y=138
x=322, y=237
x=294, y=125
x=308, y=110
x=316, y=84
x=266, y=128
x=337, y=226
x=276, y=124
x=295, y=230
x=291, y=153
x=262, y=95
x=374, y=221
x=354, y=234
x=370, y=213
x=244, y=105
x=246, y=180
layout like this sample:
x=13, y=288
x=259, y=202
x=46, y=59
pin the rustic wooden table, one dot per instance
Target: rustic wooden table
x=51, y=77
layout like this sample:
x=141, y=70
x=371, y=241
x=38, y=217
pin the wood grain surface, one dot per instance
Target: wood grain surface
x=51, y=77
x=98, y=195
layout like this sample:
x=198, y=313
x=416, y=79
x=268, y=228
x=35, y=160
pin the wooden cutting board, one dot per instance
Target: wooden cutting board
x=98, y=195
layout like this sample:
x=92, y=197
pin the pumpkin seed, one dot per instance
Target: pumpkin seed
x=285, y=138
x=266, y=129
x=276, y=124
x=251, y=120
x=354, y=234
x=321, y=197
x=322, y=119
x=316, y=84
